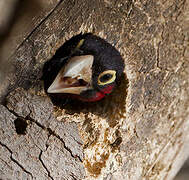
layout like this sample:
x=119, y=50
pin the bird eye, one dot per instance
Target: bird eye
x=107, y=77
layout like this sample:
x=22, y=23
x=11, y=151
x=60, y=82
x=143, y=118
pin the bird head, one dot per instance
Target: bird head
x=89, y=68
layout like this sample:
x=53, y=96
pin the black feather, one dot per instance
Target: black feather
x=106, y=57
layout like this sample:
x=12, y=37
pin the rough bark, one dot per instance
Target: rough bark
x=18, y=19
x=138, y=132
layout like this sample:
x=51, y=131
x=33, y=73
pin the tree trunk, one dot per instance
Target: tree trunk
x=140, y=131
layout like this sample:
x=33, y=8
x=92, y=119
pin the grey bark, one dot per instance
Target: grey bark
x=139, y=132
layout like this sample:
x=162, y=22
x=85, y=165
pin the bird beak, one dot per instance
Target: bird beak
x=74, y=77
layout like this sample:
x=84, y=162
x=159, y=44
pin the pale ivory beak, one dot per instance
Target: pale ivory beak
x=74, y=77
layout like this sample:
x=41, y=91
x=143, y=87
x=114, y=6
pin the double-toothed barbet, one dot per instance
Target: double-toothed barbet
x=86, y=67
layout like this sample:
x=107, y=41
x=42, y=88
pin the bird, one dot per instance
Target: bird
x=86, y=68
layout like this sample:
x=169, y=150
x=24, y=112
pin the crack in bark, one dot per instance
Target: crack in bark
x=57, y=136
x=73, y=177
x=43, y=164
x=158, y=54
x=50, y=131
x=15, y=161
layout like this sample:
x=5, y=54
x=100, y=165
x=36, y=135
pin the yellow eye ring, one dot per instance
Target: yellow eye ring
x=80, y=43
x=110, y=76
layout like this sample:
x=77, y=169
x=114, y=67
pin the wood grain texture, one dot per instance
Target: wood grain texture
x=138, y=132
x=20, y=19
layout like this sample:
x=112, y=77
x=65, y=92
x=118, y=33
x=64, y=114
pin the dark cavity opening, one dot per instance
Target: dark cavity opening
x=20, y=125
